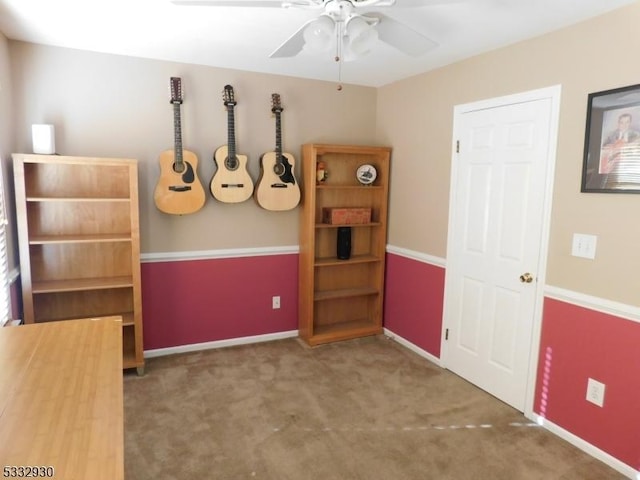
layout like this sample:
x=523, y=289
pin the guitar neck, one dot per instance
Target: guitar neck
x=278, y=138
x=177, y=133
x=231, y=144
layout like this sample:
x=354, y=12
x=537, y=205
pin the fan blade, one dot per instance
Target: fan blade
x=251, y=3
x=403, y=3
x=292, y=45
x=425, y=3
x=401, y=36
x=230, y=3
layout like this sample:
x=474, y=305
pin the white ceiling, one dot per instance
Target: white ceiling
x=243, y=37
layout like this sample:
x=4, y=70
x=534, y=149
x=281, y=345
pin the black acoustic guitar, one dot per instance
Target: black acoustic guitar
x=277, y=186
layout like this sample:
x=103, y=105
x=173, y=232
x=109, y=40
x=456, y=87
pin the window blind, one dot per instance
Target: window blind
x=5, y=295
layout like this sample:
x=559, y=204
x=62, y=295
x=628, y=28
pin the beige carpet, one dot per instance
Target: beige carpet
x=365, y=409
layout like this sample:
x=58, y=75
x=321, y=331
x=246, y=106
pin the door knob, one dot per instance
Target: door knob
x=526, y=278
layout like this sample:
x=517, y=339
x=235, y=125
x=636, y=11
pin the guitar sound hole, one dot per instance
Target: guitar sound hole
x=178, y=167
x=278, y=169
x=231, y=163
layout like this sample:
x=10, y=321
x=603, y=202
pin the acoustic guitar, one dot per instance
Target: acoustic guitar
x=178, y=190
x=277, y=186
x=231, y=183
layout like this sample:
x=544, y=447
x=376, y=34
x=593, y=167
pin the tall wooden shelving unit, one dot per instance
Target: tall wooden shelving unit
x=79, y=242
x=342, y=299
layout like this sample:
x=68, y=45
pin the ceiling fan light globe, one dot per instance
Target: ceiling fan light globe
x=362, y=36
x=319, y=34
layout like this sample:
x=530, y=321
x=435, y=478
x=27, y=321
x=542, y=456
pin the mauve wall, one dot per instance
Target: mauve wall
x=195, y=301
x=578, y=343
x=413, y=301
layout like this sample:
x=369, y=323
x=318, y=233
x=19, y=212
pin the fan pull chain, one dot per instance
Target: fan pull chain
x=338, y=57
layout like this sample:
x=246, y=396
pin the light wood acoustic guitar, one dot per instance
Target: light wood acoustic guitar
x=231, y=183
x=277, y=187
x=178, y=190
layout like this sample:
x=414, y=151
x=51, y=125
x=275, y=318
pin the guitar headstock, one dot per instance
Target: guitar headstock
x=228, y=96
x=176, y=90
x=275, y=103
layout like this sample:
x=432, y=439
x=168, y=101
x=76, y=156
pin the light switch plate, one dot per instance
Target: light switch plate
x=584, y=245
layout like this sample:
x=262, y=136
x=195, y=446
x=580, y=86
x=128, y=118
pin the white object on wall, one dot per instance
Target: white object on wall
x=584, y=245
x=44, y=139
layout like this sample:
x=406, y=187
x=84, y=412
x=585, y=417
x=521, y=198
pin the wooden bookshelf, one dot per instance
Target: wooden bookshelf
x=79, y=242
x=342, y=299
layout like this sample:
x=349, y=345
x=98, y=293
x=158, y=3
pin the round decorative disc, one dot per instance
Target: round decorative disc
x=366, y=174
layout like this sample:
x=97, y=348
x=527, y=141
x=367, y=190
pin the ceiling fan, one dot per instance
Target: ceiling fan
x=348, y=27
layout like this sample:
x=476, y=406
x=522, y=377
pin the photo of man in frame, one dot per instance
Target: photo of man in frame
x=620, y=137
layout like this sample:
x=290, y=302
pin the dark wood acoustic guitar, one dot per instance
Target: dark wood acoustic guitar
x=178, y=190
x=277, y=187
x=231, y=183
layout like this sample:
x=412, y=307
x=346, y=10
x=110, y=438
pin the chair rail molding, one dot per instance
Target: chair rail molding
x=602, y=305
x=418, y=256
x=218, y=253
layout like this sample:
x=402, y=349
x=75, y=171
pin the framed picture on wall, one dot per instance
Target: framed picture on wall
x=612, y=142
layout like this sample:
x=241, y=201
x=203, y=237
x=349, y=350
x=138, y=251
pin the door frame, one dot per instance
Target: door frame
x=552, y=93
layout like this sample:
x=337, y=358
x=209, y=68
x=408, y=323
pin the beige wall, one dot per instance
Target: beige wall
x=109, y=105
x=415, y=116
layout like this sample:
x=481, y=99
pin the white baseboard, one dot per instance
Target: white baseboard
x=414, y=348
x=194, y=347
x=586, y=447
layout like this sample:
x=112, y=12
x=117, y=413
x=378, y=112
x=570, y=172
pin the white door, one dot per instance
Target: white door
x=498, y=229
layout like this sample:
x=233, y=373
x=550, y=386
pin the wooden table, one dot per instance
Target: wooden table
x=61, y=398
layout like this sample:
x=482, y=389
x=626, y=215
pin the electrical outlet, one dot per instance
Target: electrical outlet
x=275, y=302
x=595, y=392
